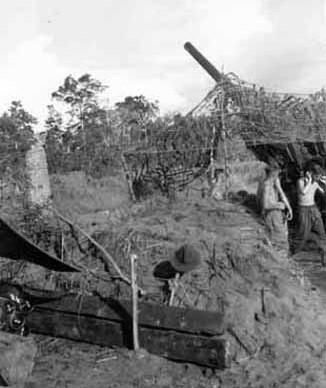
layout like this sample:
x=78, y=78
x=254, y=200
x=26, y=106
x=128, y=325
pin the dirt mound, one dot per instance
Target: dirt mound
x=275, y=322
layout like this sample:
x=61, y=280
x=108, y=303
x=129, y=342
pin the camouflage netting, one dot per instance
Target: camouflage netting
x=290, y=127
x=246, y=120
x=264, y=117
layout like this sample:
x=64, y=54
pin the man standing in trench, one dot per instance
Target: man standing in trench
x=275, y=207
x=309, y=217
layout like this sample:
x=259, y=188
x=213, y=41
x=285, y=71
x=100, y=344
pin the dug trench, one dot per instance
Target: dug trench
x=275, y=319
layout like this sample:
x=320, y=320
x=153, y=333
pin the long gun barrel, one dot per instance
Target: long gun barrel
x=205, y=64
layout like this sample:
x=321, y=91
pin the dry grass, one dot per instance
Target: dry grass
x=75, y=193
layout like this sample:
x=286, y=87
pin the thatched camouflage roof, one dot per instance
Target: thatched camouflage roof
x=290, y=126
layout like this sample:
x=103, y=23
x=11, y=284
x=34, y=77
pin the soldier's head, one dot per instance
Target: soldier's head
x=314, y=169
x=273, y=169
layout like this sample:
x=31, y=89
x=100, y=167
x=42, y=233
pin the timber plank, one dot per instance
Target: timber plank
x=208, y=351
x=170, y=318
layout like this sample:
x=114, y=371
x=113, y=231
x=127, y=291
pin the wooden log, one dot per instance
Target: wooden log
x=207, y=351
x=150, y=315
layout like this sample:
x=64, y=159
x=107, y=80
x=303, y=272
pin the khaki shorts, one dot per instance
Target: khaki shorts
x=277, y=229
x=310, y=225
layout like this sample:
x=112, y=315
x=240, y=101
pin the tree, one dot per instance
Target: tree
x=87, y=121
x=23, y=120
x=54, y=120
x=83, y=143
x=54, y=144
x=91, y=141
x=136, y=112
x=81, y=95
x=16, y=137
x=16, y=131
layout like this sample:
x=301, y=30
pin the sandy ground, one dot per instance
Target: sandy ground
x=62, y=363
x=275, y=319
x=274, y=307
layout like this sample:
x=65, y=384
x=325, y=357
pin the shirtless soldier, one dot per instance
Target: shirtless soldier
x=275, y=207
x=309, y=217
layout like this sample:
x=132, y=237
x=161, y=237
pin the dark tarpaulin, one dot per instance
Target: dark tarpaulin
x=13, y=245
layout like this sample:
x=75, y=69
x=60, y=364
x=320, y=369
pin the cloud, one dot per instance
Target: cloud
x=32, y=73
x=291, y=56
x=123, y=83
x=136, y=47
x=29, y=75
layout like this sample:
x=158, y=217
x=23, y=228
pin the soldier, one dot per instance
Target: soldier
x=309, y=217
x=275, y=207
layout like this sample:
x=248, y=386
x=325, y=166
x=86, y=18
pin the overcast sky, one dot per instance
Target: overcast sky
x=136, y=47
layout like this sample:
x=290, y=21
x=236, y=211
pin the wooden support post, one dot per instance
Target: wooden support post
x=127, y=175
x=212, y=153
x=174, y=285
x=225, y=148
x=62, y=245
x=133, y=260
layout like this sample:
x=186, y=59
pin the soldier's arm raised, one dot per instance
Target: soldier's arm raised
x=304, y=184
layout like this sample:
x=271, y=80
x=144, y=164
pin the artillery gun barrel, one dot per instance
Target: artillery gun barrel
x=204, y=62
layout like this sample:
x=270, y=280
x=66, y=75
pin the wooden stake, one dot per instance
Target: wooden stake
x=133, y=261
x=127, y=175
x=174, y=286
x=212, y=161
x=223, y=136
x=62, y=244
